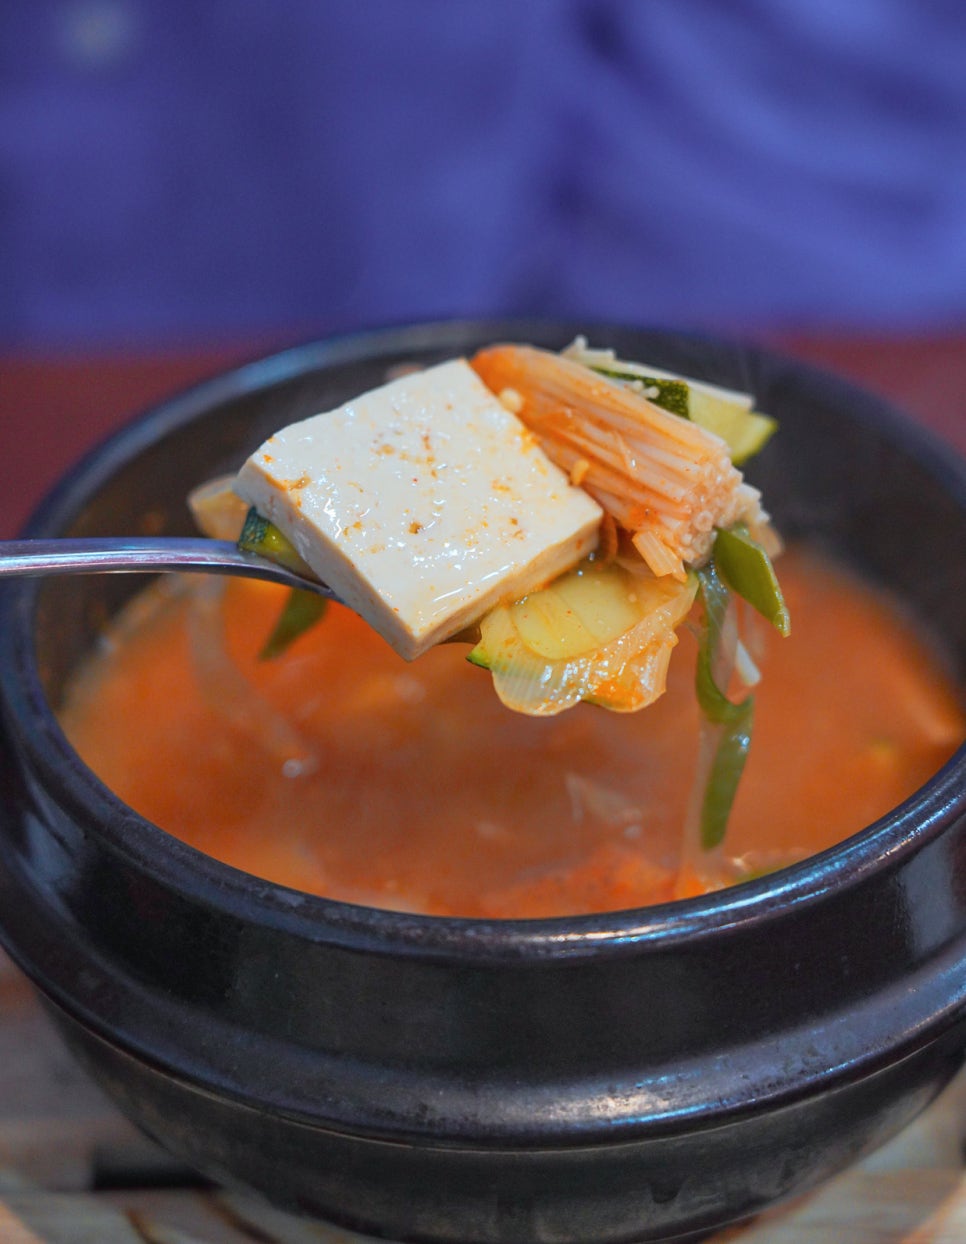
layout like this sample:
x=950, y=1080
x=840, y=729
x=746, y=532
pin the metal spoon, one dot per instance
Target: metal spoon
x=121, y=554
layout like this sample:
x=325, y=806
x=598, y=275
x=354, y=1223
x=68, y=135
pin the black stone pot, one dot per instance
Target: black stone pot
x=621, y=1077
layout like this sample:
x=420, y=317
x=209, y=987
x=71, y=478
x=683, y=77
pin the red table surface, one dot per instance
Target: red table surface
x=52, y=409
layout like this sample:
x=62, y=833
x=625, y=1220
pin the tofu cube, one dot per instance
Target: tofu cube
x=422, y=503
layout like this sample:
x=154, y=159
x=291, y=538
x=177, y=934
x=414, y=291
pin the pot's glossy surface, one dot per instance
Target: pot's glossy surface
x=611, y=1078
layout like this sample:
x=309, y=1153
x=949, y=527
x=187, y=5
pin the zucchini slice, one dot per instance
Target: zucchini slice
x=261, y=536
x=726, y=412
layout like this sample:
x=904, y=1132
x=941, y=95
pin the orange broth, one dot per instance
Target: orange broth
x=341, y=770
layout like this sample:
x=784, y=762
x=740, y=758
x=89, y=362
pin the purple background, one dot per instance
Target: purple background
x=185, y=170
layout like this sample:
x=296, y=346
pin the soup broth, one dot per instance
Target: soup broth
x=340, y=769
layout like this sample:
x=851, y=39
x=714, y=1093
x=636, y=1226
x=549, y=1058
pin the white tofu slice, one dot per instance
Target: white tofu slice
x=422, y=504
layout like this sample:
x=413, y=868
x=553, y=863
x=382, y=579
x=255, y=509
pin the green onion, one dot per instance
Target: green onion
x=748, y=570
x=302, y=609
x=733, y=720
x=301, y=612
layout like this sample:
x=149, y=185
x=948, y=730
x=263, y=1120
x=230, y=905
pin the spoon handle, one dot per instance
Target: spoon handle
x=122, y=554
